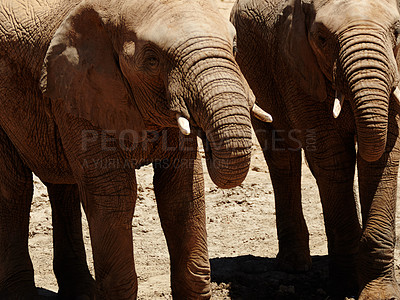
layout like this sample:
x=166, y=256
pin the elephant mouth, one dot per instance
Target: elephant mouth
x=200, y=133
x=337, y=98
x=206, y=143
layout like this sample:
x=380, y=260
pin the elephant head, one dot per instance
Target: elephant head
x=338, y=51
x=146, y=65
x=355, y=45
x=352, y=45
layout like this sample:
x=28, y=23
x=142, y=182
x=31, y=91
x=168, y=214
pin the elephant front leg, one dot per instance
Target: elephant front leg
x=284, y=165
x=334, y=171
x=70, y=267
x=179, y=189
x=108, y=200
x=107, y=190
x=110, y=224
x=378, y=194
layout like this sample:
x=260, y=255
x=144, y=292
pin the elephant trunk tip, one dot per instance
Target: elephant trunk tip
x=226, y=177
x=228, y=167
x=371, y=148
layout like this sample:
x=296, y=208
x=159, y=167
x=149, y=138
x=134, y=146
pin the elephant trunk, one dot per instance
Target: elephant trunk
x=222, y=110
x=228, y=134
x=366, y=68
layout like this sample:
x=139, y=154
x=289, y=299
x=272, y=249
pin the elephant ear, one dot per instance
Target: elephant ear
x=82, y=71
x=300, y=57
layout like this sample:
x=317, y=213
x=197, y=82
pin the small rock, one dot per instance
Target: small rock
x=256, y=169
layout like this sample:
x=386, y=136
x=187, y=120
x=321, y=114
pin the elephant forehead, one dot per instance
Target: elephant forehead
x=167, y=35
x=165, y=23
x=338, y=14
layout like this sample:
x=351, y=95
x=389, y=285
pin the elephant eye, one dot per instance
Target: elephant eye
x=396, y=36
x=397, y=31
x=320, y=35
x=234, y=47
x=151, y=60
x=321, y=40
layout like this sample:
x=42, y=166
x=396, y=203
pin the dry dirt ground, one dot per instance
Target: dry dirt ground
x=241, y=235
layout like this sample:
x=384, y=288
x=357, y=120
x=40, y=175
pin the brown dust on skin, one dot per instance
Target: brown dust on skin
x=242, y=238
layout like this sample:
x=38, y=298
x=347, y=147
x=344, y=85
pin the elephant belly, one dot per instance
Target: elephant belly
x=41, y=152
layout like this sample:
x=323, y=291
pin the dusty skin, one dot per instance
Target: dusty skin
x=241, y=236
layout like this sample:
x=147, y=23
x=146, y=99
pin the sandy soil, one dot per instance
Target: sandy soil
x=241, y=235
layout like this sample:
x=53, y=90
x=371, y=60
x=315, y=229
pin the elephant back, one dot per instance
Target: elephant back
x=26, y=29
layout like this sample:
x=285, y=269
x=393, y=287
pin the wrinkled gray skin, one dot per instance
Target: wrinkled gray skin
x=89, y=92
x=295, y=55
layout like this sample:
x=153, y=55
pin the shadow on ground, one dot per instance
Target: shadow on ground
x=251, y=277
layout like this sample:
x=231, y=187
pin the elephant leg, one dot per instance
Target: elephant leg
x=378, y=195
x=335, y=179
x=70, y=267
x=16, y=191
x=107, y=190
x=179, y=190
x=108, y=200
x=284, y=165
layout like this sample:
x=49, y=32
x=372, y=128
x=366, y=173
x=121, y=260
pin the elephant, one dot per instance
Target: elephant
x=327, y=71
x=92, y=90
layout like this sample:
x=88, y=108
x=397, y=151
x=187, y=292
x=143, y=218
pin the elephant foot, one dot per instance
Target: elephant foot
x=28, y=294
x=294, y=260
x=75, y=283
x=193, y=283
x=190, y=295
x=200, y=289
x=381, y=289
x=342, y=288
x=77, y=297
x=342, y=282
x=81, y=297
x=78, y=292
x=17, y=287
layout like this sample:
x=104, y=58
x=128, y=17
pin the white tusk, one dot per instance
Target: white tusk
x=183, y=124
x=396, y=94
x=261, y=114
x=337, y=104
